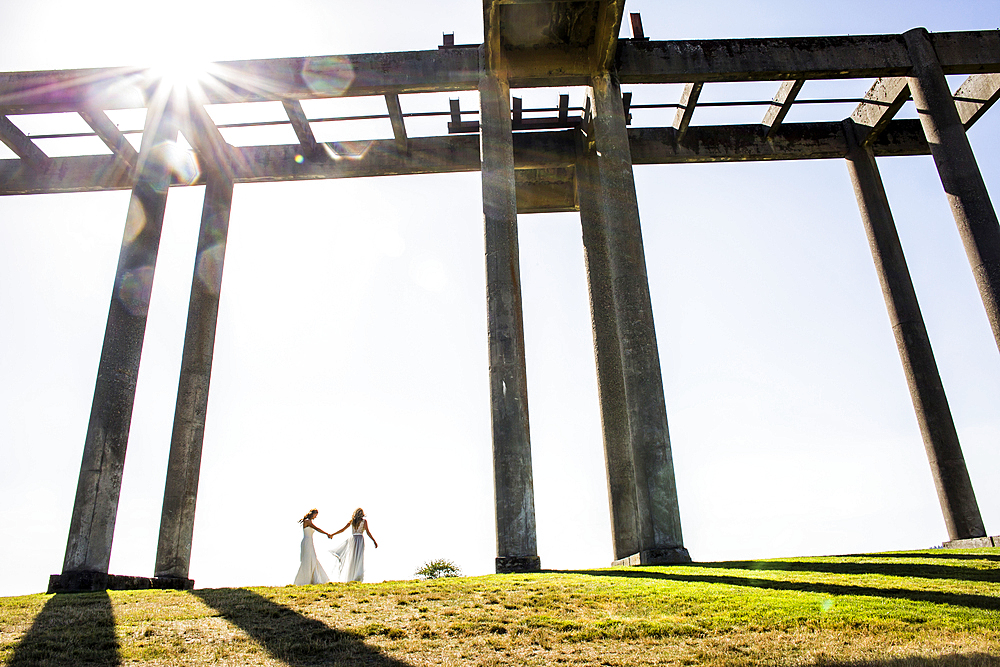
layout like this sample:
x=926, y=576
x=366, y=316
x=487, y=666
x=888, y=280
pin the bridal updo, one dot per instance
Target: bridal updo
x=359, y=516
x=311, y=514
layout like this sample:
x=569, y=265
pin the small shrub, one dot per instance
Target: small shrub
x=435, y=569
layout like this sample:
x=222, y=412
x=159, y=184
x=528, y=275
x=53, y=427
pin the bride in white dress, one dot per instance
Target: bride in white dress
x=351, y=553
x=310, y=569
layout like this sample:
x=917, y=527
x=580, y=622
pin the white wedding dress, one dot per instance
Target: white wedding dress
x=351, y=554
x=310, y=571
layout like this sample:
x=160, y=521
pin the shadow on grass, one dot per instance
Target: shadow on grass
x=943, y=553
x=288, y=635
x=959, y=599
x=886, y=569
x=77, y=629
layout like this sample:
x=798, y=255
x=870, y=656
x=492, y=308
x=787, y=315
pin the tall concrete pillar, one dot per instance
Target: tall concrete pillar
x=658, y=526
x=963, y=183
x=173, y=552
x=607, y=351
x=517, y=550
x=88, y=550
x=951, y=478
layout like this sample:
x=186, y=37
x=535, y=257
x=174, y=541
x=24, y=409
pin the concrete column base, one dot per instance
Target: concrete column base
x=88, y=582
x=973, y=543
x=511, y=564
x=671, y=556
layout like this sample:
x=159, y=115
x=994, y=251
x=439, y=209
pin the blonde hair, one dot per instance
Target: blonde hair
x=309, y=515
x=359, y=516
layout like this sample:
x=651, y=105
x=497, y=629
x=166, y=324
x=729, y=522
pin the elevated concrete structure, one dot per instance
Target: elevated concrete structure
x=579, y=159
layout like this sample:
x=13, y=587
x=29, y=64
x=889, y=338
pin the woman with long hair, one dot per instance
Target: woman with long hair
x=351, y=553
x=310, y=570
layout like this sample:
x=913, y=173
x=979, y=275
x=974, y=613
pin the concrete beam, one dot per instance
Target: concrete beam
x=975, y=96
x=92, y=525
x=782, y=58
x=513, y=486
x=110, y=135
x=458, y=153
x=881, y=103
x=180, y=495
x=963, y=182
x=300, y=125
x=944, y=453
x=546, y=190
x=22, y=146
x=747, y=143
x=658, y=527
x=605, y=44
x=248, y=80
x=396, y=120
x=688, y=101
x=781, y=105
x=618, y=457
x=458, y=69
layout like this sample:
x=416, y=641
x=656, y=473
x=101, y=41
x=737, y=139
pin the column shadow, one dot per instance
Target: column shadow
x=936, y=597
x=77, y=629
x=902, y=569
x=291, y=637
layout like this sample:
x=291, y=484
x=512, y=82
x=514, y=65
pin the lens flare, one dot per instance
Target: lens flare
x=134, y=290
x=330, y=75
x=135, y=221
x=209, y=267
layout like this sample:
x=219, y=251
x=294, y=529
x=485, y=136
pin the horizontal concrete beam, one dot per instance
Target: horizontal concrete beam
x=767, y=59
x=546, y=190
x=637, y=61
x=248, y=80
x=457, y=153
x=749, y=143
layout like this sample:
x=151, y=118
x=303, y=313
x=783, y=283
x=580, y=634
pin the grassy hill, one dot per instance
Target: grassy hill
x=937, y=607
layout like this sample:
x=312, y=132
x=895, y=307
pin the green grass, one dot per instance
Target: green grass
x=938, y=607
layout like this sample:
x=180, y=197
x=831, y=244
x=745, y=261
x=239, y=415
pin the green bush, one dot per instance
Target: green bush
x=440, y=567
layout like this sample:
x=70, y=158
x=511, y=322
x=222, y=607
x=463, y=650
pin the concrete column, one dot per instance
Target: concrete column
x=659, y=525
x=173, y=552
x=951, y=478
x=607, y=351
x=88, y=550
x=959, y=172
x=513, y=491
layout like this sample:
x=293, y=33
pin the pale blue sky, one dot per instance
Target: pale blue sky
x=350, y=363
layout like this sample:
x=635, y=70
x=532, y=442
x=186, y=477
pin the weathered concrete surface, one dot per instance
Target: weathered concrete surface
x=173, y=552
x=460, y=153
x=882, y=101
x=659, y=525
x=780, y=58
x=89, y=582
x=959, y=172
x=975, y=96
x=951, y=478
x=782, y=104
x=607, y=352
x=973, y=543
x=93, y=522
x=513, y=488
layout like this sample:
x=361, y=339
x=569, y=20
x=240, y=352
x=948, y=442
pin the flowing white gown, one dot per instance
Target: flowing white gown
x=351, y=554
x=310, y=571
